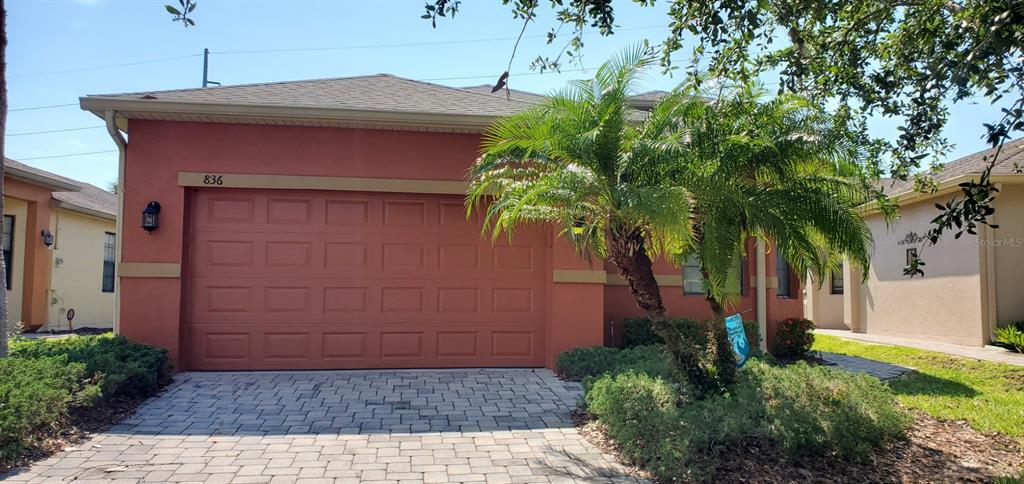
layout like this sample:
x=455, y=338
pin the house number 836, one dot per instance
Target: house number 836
x=213, y=179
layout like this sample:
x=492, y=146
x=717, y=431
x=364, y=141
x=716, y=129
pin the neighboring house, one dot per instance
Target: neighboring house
x=76, y=271
x=970, y=286
x=320, y=224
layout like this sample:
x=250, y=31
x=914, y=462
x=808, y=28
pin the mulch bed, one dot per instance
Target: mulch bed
x=86, y=331
x=82, y=424
x=937, y=451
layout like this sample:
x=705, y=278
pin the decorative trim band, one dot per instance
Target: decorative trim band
x=664, y=280
x=149, y=269
x=579, y=276
x=770, y=282
x=298, y=182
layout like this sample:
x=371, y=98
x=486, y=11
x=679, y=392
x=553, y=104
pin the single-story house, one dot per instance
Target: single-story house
x=320, y=224
x=58, y=243
x=970, y=286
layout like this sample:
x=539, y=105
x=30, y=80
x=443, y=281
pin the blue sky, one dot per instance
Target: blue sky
x=62, y=49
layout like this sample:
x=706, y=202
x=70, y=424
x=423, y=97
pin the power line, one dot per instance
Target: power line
x=43, y=107
x=56, y=130
x=64, y=156
x=405, y=44
x=111, y=66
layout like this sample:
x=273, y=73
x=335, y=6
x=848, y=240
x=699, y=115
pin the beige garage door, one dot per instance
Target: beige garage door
x=318, y=280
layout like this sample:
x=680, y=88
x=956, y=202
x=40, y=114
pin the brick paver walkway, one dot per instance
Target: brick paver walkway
x=345, y=426
x=877, y=369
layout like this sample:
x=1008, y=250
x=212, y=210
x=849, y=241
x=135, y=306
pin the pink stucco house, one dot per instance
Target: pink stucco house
x=320, y=224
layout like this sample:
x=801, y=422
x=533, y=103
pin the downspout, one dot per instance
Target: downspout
x=762, y=295
x=122, y=149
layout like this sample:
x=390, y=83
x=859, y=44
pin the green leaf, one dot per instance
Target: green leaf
x=172, y=10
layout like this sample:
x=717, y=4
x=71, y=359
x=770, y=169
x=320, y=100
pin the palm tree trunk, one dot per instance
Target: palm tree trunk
x=630, y=257
x=627, y=252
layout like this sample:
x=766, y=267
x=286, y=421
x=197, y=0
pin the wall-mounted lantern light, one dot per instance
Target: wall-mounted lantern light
x=47, y=237
x=150, y=220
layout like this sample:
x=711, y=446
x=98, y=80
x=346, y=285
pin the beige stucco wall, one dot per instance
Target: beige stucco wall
x=1008, y=246
x=945, y=305
x=822, y=307
x=77, y=277
x=18, y=208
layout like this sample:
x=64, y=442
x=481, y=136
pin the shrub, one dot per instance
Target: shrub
x=580, y=363
x=805, y=410
x=793, y=338
x=638, y=332
x=1011, y=336
x=640, y=413
x=119, y=366
x=819, y=410
x=35, y=395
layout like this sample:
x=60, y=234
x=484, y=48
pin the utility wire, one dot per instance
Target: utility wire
x=63, y=156
x=55, y=130
x=407, y=44
x=111, y=66
x=43, y=107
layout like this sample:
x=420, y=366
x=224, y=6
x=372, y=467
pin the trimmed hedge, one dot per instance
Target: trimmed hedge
x=35, y=396
x=120, y=367
x=807, y=411
x=42, y=380
x=638, y=332
x=580, y=363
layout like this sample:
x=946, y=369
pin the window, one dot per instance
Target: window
x=782, y=273
x=109, y=251
x=693, y=281
x=8, y=247
x=837, y=280
x=911, y=256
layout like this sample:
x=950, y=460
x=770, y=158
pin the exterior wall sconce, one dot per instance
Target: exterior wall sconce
x=150, y=219
x=47, y=237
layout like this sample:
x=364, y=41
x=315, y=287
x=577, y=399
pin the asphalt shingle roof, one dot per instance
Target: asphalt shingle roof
x=90, y=197
x=380, y=92
x=18, y=166
x=1011, y=161
x=86, y=196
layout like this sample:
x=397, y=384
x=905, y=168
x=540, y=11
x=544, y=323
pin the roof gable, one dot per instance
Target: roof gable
x=380, y=92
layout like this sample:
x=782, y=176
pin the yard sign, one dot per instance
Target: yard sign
x=734, y=326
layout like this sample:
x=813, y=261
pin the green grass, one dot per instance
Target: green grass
x=990, y=396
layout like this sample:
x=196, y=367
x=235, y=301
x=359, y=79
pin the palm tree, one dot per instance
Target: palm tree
x=625, y=186
x=775, y=169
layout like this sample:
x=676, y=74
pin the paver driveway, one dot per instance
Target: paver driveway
x=345, y=426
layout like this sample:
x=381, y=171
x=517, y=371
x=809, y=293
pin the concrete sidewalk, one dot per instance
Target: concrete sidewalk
x=987, y=353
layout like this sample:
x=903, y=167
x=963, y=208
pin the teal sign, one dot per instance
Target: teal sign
x=738, y=337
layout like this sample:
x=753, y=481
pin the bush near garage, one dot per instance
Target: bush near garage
x=119, y=366
x=638, y=332
x=805, y=410
x=579, y=363
x=43, y=382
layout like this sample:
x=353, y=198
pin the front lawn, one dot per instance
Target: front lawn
x=990, y=396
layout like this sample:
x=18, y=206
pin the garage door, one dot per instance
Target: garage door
x=318, y=280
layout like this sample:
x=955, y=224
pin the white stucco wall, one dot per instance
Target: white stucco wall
x=822, y=307
x=945, y=305
x=1008, y=245
x=19, y=209
x=77, y=271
